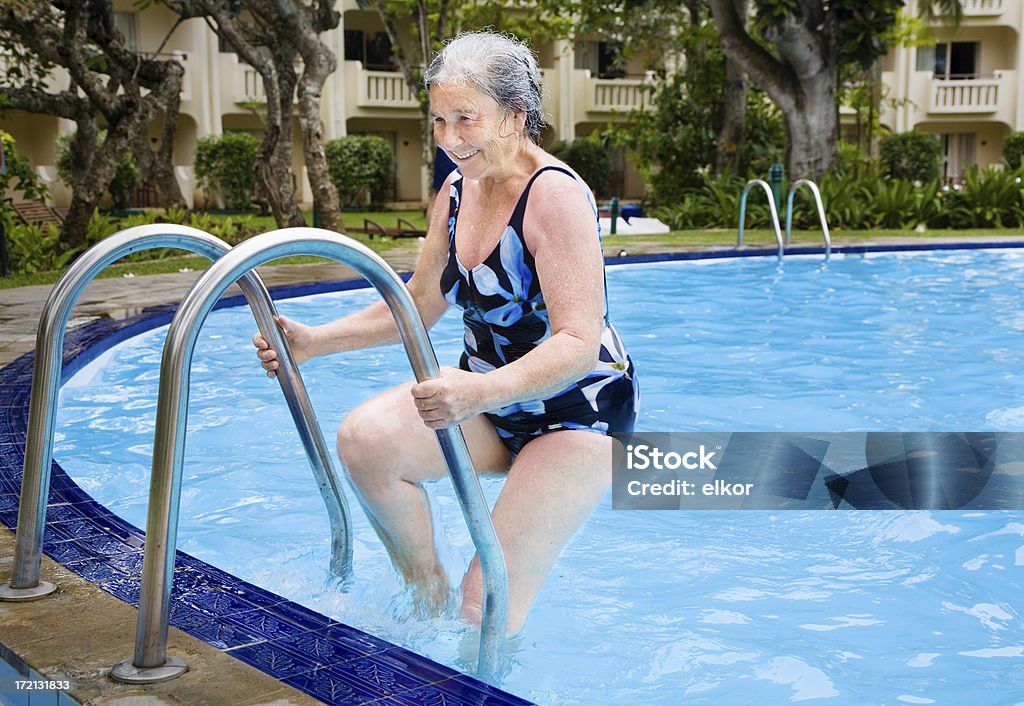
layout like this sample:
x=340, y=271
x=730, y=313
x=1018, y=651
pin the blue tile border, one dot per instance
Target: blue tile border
x=326, y=659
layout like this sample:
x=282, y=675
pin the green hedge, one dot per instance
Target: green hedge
x=360, y=167
x=916, y=156
x=1013, y=150
x=226, y=165
x=588, y=158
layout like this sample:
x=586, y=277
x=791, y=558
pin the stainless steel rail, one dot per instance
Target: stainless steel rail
x=151, y=662
x=25, y=583
x=821, y=212
x=771, y=205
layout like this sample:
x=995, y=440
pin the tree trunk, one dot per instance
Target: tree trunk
x=734, y=111
x=811, y=123
x=802, y=80
x=93, y=168
x=157, y=167
x=325, y=195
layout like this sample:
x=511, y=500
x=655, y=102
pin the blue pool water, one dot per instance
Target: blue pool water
x=651, y=607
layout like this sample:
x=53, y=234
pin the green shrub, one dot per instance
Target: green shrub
x=1013, y=150
x=226, y=165
x=34, y=248
x=588, y=158
x=914, y=156
x=360, y=167
x=19, y=175
x=125, y=180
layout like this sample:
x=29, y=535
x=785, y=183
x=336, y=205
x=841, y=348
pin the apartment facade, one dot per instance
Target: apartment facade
x=966, y=88
x=367, y=94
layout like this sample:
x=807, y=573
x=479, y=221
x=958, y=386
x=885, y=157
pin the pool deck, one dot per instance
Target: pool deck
x=81, y=631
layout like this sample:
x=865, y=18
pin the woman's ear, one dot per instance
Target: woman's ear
x=520, y=121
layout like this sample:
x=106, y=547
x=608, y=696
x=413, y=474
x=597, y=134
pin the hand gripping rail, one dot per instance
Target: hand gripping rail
x=771, y=206
x=151, y=662
x=25, y=583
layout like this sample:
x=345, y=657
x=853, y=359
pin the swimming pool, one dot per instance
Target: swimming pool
x=726, y=607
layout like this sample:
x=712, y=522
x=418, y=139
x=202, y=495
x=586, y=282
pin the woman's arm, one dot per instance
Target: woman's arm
x=561, y=231
x=374, y=325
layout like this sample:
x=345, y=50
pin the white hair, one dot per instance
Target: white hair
x=498, y=66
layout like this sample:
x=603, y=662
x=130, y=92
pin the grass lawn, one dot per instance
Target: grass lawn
x=722, y=237
x=170, y=261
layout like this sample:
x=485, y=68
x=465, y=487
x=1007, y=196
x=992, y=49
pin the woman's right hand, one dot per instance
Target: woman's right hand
x=300, y=340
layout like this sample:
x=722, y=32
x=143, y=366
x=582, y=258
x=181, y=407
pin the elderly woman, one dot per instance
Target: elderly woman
x=514, y=242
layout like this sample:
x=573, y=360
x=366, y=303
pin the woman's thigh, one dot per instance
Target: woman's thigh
x=386, y=434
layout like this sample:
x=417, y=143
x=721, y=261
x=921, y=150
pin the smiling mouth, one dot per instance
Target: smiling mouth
x=465, y=156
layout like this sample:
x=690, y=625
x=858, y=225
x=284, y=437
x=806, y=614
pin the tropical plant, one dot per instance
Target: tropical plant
x=988, y=198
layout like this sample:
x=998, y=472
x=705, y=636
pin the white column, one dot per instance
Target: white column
x=1017, y=119
x=566, y=98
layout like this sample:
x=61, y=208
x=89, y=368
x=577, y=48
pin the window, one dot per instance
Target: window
x=601, y=59
x=956, y=60
x=124, y=22
x=374, y=50
x=958, y=154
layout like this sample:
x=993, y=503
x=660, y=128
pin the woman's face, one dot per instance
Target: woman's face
x=471, y=127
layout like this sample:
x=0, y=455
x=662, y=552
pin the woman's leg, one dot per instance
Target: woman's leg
x=553, y=486
x=388, y=452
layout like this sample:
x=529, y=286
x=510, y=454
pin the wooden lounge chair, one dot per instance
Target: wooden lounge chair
x=405, y=229
x=38, y=212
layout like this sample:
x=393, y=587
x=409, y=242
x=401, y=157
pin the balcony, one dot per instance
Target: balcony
x=385, y=89
x=616, y=95
x=982, y=8
x=248, y=83
x=966, y=96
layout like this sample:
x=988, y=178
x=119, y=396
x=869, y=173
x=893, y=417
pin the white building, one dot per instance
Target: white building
x=966, y=88
x=366, y=94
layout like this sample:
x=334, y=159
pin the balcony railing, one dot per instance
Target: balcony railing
x=385, y=89
x=980, y=95
x=982, y=8
x=249, y=86
x=609, y=95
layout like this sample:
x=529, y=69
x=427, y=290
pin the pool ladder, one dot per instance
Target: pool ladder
x=789, y=213
x=151, y=663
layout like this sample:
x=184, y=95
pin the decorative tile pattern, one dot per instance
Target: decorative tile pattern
x=328, y=660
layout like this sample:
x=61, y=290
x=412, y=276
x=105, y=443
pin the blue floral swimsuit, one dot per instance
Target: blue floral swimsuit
x=505, y=318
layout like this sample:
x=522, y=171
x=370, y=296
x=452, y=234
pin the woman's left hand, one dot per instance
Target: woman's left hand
x=450, y=399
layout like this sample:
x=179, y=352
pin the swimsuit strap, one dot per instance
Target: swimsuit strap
x=516, y=221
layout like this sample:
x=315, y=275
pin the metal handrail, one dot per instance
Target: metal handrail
x=821, y=212
x=771, y=206
x=151, y=662
x=25, y=583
